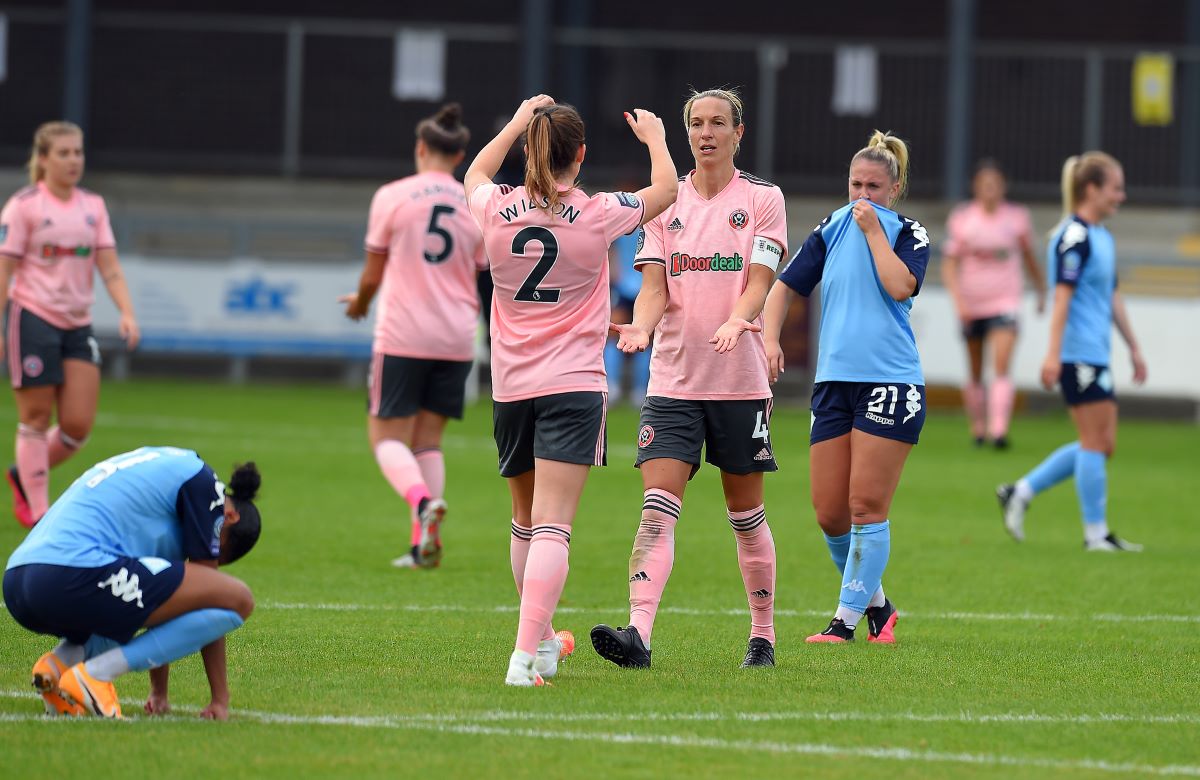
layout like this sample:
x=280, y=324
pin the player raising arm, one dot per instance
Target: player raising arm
x=134, y=544
x=868, y=398
x=707, y=264
x=548, y=245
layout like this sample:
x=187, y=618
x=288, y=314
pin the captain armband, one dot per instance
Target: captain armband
x=766, y=252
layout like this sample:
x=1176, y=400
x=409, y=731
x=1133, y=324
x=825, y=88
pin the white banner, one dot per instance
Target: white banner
x=1165, y=328
x=419, y=66
x=239, y=307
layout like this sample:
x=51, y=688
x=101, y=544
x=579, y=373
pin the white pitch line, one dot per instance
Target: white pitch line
x=448, y=724
x=919, y=615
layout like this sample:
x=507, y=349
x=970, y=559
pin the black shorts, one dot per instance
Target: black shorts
x=567, y=427
x=978, y=329
x=36, y=349
x=402, y=386
x=113, y=600
x=893, y=411
x=733, y=434
x=1083, y=383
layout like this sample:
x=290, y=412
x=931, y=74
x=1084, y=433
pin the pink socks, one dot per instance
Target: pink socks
x=433, y=472
x=542, y=585
x=33, y=467
x=652, y=558
x=400, y=468
x=756, y=557
x=518, y=554
x=1000, y=404
x=973, y=400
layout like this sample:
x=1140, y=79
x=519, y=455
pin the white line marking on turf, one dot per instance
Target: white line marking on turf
x=506, y=608
x=451, y=725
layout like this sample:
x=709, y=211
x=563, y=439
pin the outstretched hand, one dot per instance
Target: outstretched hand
x=726, y=337
x=630, y=338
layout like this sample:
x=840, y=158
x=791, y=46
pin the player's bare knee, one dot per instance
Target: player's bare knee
x=866, y=510
x=241, y=600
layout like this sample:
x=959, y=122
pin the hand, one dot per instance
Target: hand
x=525, y=110
x=866, y=218
x=216, y=710
x=129, y=331
x=774, y=361
x=1051, y=371
x=157, y=704
x=726, y=337
x=646, y=126
x=353, y=310
x=630, y=338
x=1139, y=367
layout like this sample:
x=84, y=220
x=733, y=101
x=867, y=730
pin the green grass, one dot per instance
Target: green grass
x=350, y=668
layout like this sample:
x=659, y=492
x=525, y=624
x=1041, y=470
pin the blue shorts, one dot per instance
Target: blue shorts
x=893, y=411
x=1083, y=383
x=113, y=600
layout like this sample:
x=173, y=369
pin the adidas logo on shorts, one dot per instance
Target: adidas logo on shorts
x=641, y=576
x=675, y=225
x=763, y=454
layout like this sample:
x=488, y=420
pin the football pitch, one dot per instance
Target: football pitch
x=1012, y=660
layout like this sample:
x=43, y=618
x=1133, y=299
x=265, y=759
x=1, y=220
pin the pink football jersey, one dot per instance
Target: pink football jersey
x=550, y=308
x=54, y=243
x=988, y=247
x=705, y=247
x=428, y=302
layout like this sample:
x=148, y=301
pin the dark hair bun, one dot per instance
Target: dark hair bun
x=244, y=483
x=449, y=117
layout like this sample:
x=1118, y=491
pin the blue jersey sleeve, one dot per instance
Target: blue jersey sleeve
x=1071, y=254
x=912, y=247
x=804, y=272
x=200, y=505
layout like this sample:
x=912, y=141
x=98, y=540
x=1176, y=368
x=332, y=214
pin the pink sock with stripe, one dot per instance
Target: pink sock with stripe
x=652, y=558
x=518, y=555
x=1000, y=404
x=33, y=468
x=756, y=557
x=545, y=574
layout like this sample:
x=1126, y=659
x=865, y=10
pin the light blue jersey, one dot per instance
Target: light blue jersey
x=159, y=502
x=1085, y=257
x=865, y=335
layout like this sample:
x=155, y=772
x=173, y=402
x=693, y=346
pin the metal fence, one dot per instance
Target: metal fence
x=197, y=93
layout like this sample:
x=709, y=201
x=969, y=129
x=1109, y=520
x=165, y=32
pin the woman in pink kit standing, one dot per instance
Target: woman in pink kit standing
x=988, y=241
x=424, y=253
x=53, y=236
x=548, y=245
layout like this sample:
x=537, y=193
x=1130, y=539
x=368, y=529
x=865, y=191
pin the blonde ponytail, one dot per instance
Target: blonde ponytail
x=891, y=152
x=1069, y=199
x=1081, y=170
x=43, y=138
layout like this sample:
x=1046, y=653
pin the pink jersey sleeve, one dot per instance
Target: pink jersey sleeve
x=379, y=223
x=480, y=198
x=14, y=229
x=104, y=231
x=771, y=216
x=622, y=214
x=954, y=232
x=650, y=244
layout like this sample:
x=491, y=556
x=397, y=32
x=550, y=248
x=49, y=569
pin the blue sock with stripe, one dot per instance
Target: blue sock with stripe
x=165, y=643
x=870, y=546
x=1091, y=484
x=1057, y=466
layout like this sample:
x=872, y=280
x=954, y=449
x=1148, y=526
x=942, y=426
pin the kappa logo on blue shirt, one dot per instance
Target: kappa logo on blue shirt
x=257, y=296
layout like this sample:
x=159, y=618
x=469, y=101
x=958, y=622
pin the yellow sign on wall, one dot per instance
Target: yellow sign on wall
x=1153, y=89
